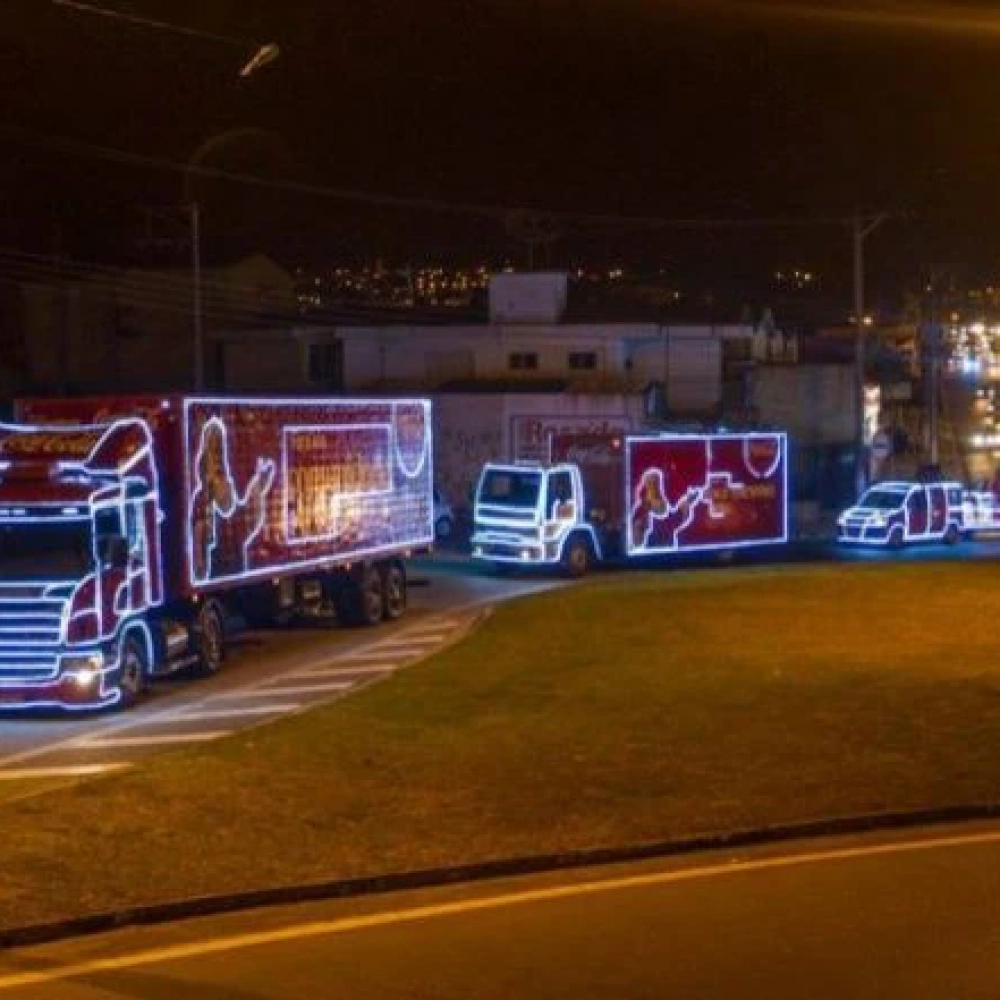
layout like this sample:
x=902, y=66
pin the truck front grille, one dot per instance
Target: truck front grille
x=30, y=630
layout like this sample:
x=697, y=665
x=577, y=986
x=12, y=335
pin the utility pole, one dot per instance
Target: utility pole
x=862, y=228
x=199, y=346
x=931, y=351
x=930, y=347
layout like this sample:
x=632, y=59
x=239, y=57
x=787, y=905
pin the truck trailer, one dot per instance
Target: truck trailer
x=604, y=498
x=133, y=528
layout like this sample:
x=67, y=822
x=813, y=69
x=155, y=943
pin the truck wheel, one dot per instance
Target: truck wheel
x=952, y=535
x=210, y=640
x=393, y=590
x=577, y=557
x=360, y=600
x=133, y=670
x=896, y=538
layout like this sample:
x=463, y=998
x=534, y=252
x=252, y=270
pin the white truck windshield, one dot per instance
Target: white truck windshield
x=510, y=487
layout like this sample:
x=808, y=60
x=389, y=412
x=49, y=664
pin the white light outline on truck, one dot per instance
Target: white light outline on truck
x=110, y=496
x=425, y=450
x=779, y=438
x=316, y=562
x=336, y=498
x=264, y=467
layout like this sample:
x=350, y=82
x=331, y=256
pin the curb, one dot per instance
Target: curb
x=204, y=906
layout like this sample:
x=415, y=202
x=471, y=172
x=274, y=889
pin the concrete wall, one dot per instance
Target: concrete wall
x=472, y=429
x=814, y=403
x=537, y=297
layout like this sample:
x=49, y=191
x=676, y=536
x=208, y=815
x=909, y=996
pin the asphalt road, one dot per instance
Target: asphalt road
x=915, y=916
x=267, y=675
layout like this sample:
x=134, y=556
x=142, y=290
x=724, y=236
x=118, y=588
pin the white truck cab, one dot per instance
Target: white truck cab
x=532, y=514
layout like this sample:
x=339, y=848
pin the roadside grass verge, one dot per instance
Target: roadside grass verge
x=24, y=788
x=623, y=711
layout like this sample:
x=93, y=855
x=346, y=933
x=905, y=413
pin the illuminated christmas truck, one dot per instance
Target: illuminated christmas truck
x=132, y=529
x=606, y=498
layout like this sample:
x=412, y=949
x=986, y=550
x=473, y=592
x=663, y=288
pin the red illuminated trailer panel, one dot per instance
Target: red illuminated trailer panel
x=277, y=485
x=707, y=491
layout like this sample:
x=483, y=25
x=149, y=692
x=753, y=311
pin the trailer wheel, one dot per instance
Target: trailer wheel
x=577, y=556
x=210, y=639
x=133, y=670
x=360, y=600
x=393, y=590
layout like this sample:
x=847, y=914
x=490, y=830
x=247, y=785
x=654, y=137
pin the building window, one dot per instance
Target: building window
x=522, y=361
x=326, y=363
x=582, y=361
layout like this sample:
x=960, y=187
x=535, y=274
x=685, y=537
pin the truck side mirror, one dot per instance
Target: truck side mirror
x=112, y=552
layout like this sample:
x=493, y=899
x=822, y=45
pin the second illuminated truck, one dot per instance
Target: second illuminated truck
x=132, y=528
x=607, y=497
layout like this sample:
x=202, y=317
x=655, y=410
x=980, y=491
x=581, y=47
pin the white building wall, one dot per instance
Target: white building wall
x=408, y=353
x=471, y=429
x=694, y=373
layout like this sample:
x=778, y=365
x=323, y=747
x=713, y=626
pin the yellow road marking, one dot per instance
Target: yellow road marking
x=343, y=925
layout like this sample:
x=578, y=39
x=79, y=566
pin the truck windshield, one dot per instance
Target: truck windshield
x=510, y=488
x=882, y=500
x=45, y=550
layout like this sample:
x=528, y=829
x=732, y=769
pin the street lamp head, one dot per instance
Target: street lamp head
x=264, y=56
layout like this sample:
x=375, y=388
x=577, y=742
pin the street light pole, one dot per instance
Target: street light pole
x=199, y=346
x=863, y=227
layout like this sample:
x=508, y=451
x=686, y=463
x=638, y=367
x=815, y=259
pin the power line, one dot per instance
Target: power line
x=169, y=290
x=263, y=54
x=68, y=146
x=148, y=22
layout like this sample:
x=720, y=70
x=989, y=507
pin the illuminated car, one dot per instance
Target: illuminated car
x=894, y=514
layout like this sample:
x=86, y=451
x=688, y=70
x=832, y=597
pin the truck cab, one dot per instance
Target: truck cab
x=533, y=515
x=80, y=562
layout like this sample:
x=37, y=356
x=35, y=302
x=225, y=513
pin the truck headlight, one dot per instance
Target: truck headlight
x=83, y=669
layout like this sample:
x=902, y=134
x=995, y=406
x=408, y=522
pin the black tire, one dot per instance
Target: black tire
x=896, y=538
x=393, y=590
x=952, y=535
x=360, y=600
x=133, y=670
x=209, y=640
x=577, y=557
x=443, y=528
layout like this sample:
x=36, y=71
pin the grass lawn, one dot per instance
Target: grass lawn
x=639, y=708
x=23, y=788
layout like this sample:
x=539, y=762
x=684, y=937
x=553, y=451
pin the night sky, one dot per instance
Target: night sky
x=666, y=109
